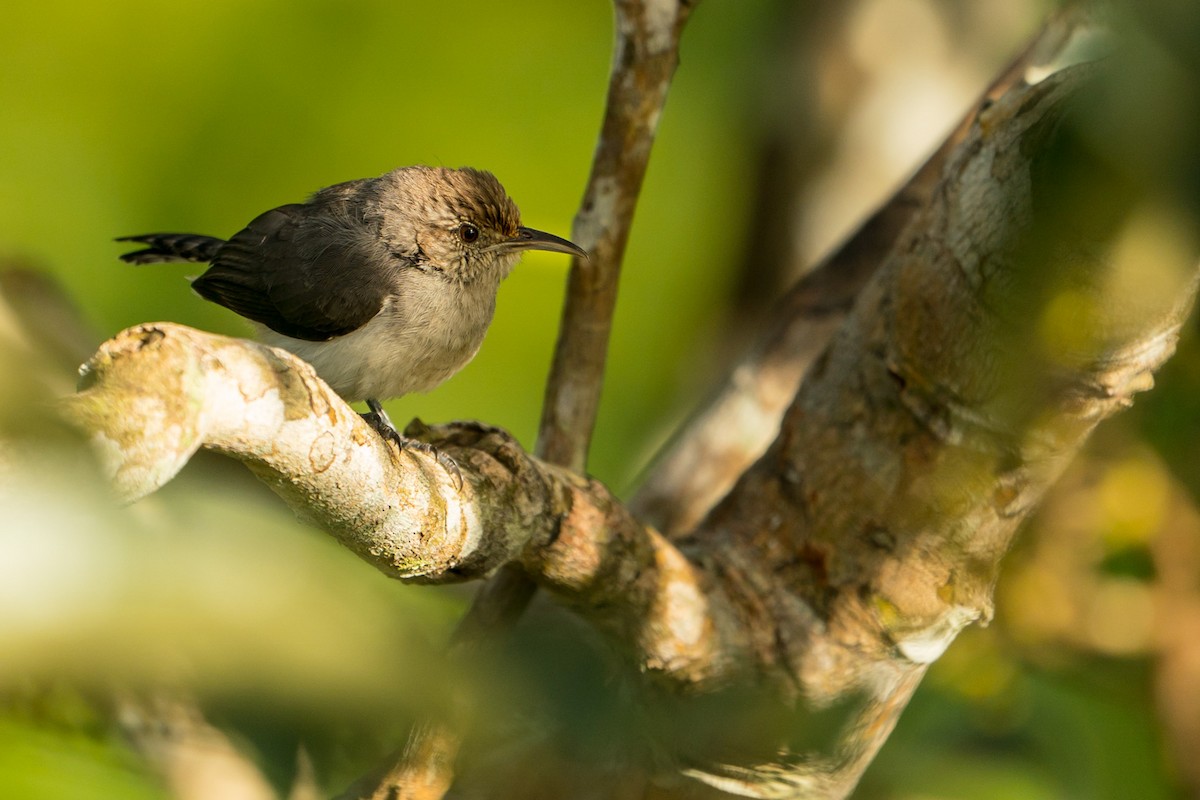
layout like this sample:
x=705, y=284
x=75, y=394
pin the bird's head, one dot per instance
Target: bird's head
x=459, y=222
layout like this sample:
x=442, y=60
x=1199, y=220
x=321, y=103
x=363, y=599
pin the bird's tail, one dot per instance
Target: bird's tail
x=172, y=247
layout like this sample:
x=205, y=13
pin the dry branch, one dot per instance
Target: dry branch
x=646, y=55
x=156, y=393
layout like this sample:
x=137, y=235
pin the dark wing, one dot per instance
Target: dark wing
x=310, y=271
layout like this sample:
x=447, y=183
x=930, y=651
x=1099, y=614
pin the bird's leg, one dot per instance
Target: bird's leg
x=378, y=419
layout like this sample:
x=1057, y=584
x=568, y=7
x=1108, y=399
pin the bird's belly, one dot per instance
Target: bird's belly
x=384, y=358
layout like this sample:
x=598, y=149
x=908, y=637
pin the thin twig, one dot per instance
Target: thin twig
x=647, y=52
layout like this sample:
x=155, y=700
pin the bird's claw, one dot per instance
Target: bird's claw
x=448, y=463
x=378, y=419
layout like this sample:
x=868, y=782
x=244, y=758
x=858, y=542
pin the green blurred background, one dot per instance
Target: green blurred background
x=787, y=122
x=136, y=117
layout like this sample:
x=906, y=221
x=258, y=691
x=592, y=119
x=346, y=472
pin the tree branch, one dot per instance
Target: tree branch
x=647, y=52
x=741, y=419
x=1008, y=322
x=156, y=393
x=196, y=760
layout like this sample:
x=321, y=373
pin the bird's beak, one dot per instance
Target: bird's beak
x=530, y=239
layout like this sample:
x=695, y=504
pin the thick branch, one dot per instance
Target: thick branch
x=156, y=393
x=1009, y=322
x=735, y=427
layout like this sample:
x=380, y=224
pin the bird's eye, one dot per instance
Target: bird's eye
x=468, y=232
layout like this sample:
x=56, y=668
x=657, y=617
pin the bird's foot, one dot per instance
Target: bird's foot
x=378, y=419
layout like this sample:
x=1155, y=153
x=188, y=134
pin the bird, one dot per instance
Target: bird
x=385, y=285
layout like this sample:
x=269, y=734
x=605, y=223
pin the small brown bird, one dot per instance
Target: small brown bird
x=385, y=285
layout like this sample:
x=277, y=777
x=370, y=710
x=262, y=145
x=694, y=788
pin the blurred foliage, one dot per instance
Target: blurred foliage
x=134, y=116
x=1070, y=691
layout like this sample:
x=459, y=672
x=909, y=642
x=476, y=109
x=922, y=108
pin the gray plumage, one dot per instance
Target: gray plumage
x=385, y=285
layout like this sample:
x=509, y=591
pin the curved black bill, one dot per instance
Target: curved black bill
x=530, y=239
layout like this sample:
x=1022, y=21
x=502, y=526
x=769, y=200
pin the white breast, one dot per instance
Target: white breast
x=410, y=346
